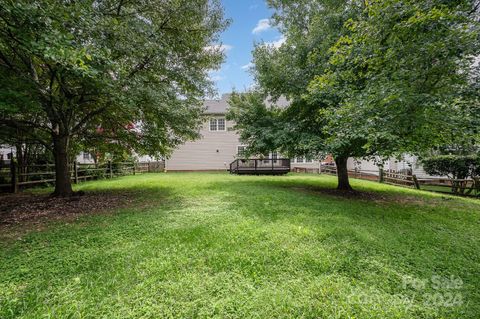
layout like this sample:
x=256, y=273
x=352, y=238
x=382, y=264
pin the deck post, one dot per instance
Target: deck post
x=134, y=167
x=255, y=165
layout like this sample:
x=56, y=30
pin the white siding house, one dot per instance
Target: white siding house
x=407, y=163
x=218, y=146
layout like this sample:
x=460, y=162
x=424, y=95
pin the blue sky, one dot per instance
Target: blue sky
x=249, y=25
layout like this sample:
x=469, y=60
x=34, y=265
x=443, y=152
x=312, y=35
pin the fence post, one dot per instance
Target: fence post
x=13, y=175
x=75, y=172
x=381, y=178
x=110, y=170
x=415, y=181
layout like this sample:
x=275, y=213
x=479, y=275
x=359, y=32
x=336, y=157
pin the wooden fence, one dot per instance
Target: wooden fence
x=464, y=187
x=13, y=177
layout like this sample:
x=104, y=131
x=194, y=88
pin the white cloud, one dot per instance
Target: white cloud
x=247, y=66
x=216, y=77
x=262, y=25
x=277, y=43
x=221, y=47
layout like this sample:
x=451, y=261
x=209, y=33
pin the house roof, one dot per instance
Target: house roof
x=220, y=106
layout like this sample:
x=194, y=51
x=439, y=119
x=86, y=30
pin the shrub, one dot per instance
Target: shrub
x=453, y=166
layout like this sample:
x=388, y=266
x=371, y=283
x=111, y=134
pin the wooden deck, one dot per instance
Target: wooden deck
x=266, y=166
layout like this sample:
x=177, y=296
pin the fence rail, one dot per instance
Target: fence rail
x=13, y=177
x=464, y=187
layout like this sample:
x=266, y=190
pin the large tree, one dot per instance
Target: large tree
x=365, y=78
x=128, y=72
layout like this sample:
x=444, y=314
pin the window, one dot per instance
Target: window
x=309, y=160
x=10, y=156
x=217, y=124
x=213, y=124
x=300, y=160
x=221, y=124
x=86, y=156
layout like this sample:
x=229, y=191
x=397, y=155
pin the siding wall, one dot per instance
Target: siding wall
x=214, y=151
x=407, y=162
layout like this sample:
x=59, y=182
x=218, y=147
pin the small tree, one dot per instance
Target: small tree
x=136, y=69
x=455, y=167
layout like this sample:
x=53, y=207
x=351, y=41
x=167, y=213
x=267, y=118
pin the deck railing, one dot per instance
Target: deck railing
x=260, y=166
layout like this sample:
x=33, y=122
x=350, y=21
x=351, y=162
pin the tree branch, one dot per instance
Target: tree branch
x=87, y=118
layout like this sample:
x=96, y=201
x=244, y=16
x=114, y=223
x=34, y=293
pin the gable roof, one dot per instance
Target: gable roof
x=220, y=106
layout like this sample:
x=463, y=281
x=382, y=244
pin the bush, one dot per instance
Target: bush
x=453, y=166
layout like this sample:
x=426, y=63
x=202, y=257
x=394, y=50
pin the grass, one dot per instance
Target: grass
x=216, y=245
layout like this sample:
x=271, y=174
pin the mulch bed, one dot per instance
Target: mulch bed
x=16, y=209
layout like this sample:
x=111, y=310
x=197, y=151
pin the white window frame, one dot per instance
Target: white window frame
x=296, y=161
x=224, y=124
x=212, y=122
x=216, y=120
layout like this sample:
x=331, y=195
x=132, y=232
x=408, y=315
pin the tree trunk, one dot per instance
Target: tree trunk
x=63, y=183
x=342, y=173
x=20, y=162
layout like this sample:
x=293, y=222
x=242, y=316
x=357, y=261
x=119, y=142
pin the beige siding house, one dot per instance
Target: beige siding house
x=219, y=145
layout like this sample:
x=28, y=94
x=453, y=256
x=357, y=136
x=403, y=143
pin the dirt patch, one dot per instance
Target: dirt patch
x=34, y=210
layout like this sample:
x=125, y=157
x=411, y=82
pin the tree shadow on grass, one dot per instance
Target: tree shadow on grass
x=36, y=210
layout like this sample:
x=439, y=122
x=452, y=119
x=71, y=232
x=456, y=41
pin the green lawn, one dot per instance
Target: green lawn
x=216, y=245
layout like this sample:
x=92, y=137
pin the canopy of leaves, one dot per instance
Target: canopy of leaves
x=403, y=75
x=136, y=69
x=372, y=78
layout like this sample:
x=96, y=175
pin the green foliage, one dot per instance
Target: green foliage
x=222, y=246
x=256, y=122
x=136, y=69
x=454, y=166
x=376, y=77
x=403, y=75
